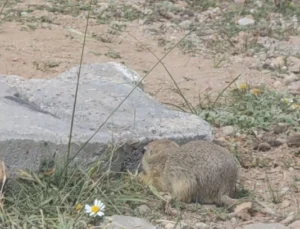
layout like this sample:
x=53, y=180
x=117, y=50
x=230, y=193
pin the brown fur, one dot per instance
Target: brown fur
x=199, y=171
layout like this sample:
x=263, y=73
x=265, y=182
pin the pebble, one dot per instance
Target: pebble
x=290, y=78
x=201, y=225
x=284, y=190
x=295, y=64
x=285, y=204
x=258, y=4
x=278, y=62
x=228, y=130
x=239, y=1
x=185, y=24
x=277, y=84
x=246, y=21
x=294, y=88
x=121, y=221
x=264, y=146
x=293, y=140
x=242, y=211
x=24, y=14
x=143, y=209
x=169, y=226
x=280, y=128
x=275, y=142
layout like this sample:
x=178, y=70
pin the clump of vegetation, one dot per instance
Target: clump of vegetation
x=256, y=108
x=52, y=199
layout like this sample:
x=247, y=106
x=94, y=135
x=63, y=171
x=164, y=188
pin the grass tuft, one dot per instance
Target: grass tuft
x=256, y=108
x=41, y=200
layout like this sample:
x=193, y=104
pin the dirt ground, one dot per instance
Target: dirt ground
x=41, y=39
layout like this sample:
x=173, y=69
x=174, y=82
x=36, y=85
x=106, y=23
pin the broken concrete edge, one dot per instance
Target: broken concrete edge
x=127, y=153
x=130, y=74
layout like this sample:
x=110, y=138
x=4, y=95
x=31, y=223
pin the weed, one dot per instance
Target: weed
x=202, y=5
x=218, y=60
x=251, y=110
x=275, y=195
x=189, y=45
x=41, y=199
x=121, y=12
x=113, y=54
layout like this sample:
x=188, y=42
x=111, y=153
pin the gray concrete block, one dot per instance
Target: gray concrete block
x=36, y=117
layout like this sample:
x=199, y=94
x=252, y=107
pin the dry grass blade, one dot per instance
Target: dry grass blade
x=3, y=178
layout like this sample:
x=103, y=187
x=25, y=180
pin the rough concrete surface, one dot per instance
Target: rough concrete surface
x=36, y=116
x=120, y=222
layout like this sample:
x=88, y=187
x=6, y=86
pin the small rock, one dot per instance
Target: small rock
x=264, y=147
x=143, y=209
x=243, y=36
x=228, y=130
x=277, y=84
x=285, y=204
x=121, y=221
x=290, y=78
x=201, y=225
x=295, y=67
x=295, y=225
x=188, y=13
x=169, y=226
x=290, y=218
x=24, y=14
x=248, y=20
x=294, y=140
x=275, y=142
x=280, y=128
x=185, y=24
x=221, y=141
x=242, y=211
x=294, y=88
x=239, y=1
x=278, y=62
x=294, y=40
x=258, y=4
x=265, y=226
x=233, y=220
x=284, y=190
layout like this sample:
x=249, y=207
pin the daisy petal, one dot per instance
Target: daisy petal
x=100, y=214
x=87, y=208
x=95, y=202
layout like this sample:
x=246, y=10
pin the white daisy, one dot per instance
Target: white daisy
x=96, y=209
x=287, y=100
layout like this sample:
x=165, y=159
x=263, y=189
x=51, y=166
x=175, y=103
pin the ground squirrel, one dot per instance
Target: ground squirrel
x=198, y=171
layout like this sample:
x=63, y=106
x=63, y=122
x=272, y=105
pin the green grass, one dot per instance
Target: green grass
x=202, y=5
x=35, y=200
x=251, y=112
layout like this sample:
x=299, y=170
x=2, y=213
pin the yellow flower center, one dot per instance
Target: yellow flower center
x=95, y=209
